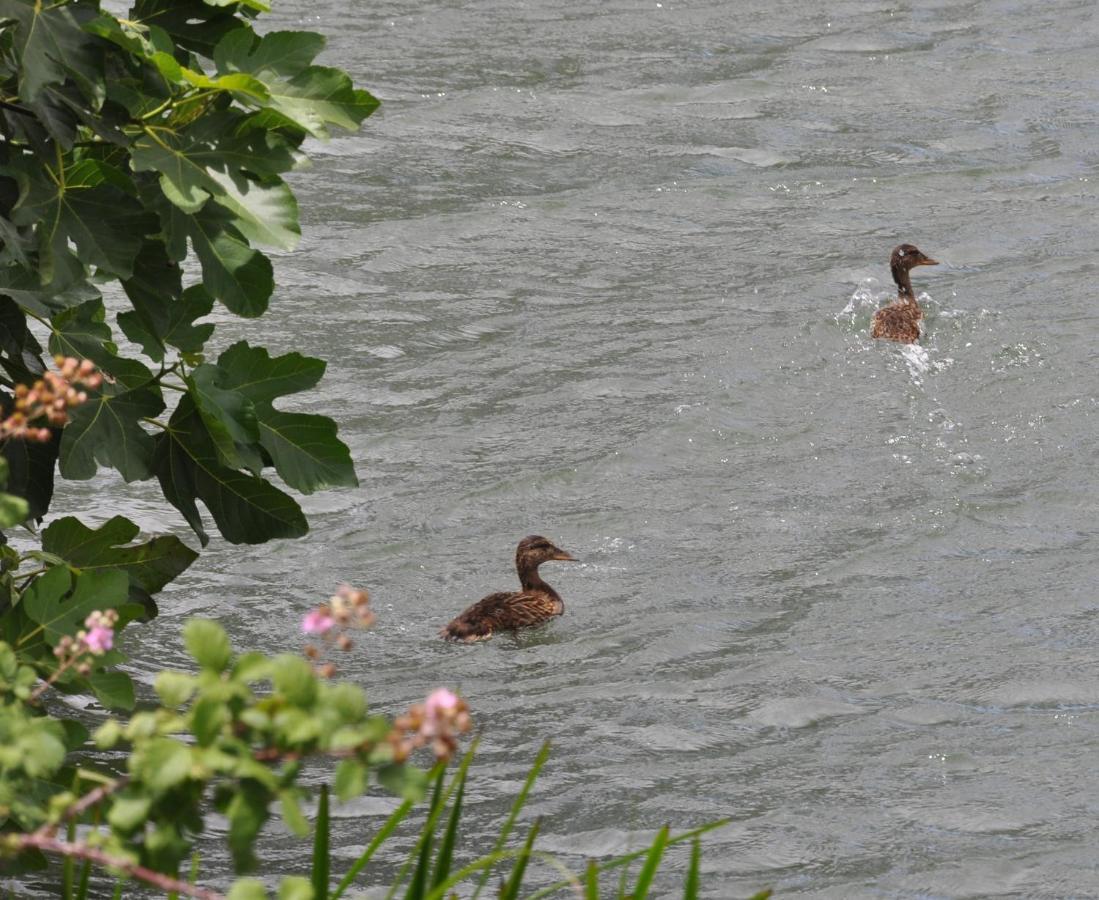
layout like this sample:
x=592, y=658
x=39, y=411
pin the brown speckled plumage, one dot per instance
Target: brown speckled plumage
x=900, y=320
x=536, y=603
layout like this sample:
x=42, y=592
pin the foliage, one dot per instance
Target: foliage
x=144, y=156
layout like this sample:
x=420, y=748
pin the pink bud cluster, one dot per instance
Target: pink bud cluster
x=50, y=399
x=95, y=639
x=437, y=721
x=348, y=608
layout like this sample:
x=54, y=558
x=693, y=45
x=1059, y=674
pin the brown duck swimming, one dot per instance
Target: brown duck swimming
x=900, y=320
x=536, y=603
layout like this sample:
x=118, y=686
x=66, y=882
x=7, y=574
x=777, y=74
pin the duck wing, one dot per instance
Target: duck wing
x=501, y=612
x=897, y=322
x=478, y=622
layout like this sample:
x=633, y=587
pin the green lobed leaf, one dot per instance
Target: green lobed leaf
x=49, y=603
x=82, y=331
x=115, y=690
x=163, y=313
x=31, y=468
x=281, y=53
x=262, y=378
x=247, y=509
x=193, y=24
x=318, y=97
x=150, y=565
x=229, y=416
x=208, y=161
x=107, y=430
x=234, y=273
x=50, y=46
x=62, y=284
x=307, y=454
x=84, y=204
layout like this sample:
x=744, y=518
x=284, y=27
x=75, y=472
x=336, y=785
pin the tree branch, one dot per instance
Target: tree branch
x=49, y=844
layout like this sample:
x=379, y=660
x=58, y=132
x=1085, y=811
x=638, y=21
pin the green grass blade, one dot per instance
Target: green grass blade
x=321, y=859
x=690, y=887
x=516, y=808
x=591, y=882
x=487, y=862
x=85, y=880
x=421, y=853
x=762, y=895
x=395, y=819
x=511, y=890
x=652, y=863
x=446, y=850
x=68, y=867
x=630, y=857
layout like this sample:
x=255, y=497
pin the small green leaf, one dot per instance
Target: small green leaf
x=161, y=763
x=174, y=688
x=247, y=811
x=13, y=510
x=128, y=813
x=247, y=889
x=208, y=644
x=294, y=678
x=108, y=734
x=405, y=781
x=295, y=887
x=291, y=812
x=208, y=717
x=350, y=779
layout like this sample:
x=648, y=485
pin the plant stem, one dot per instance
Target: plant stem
x=50, y=844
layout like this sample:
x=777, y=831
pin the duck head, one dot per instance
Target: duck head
x=908, y=256
x=535, y=550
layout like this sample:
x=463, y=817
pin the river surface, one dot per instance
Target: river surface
x=604, y=271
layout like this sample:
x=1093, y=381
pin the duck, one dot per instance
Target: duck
x=536, y=602
x=900, y=320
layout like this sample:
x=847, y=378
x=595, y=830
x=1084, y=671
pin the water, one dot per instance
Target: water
x=604, y=271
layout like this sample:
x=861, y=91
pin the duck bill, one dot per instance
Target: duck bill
x=926, y=261
x=563, y=556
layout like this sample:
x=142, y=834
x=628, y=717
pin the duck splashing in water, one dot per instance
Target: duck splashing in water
x=534, y=604
x=900, y=320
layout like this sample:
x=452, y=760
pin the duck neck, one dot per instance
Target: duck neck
x=904, y=286
x=531, y=580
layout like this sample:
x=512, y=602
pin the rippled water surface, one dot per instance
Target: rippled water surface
x=604, y=271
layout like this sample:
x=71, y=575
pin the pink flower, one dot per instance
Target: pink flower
x=99, y=639
x=317, y=621
x=439, y=701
